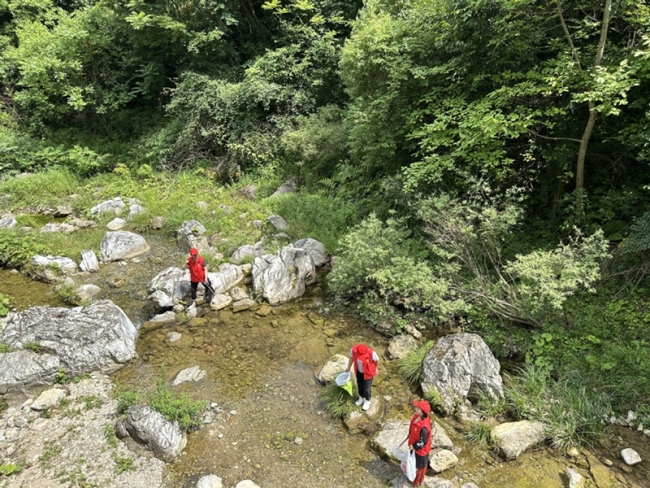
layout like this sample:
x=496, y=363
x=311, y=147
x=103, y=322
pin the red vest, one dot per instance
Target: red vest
x=369, y=366
x=414, y=434
x=197, y=269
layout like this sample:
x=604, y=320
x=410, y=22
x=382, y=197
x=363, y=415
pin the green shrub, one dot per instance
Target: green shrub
x=177, y=407
x=123, y=464
x=61, y=378
x=4, y=305
x=382, y=266
x=32, y=346
x=17, y=247
x=126, y=399
x=44, y=188
x=336, y=401
x=410, y=367
x=480, y=434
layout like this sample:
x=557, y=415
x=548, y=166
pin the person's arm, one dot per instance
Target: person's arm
x=184, y=265
x=205, y=272
x=347, y=370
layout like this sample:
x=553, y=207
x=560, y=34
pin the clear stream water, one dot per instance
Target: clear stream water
x=260, y=371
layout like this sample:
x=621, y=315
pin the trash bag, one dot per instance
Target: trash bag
x=344, y=380
x=407, y=462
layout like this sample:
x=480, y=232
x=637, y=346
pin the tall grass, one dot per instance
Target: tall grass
x=410, y=367
x=45, y=188
x=572, y=410
x=336, y=401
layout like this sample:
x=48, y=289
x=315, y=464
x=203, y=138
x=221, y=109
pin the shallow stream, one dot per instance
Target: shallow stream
x=260, y=371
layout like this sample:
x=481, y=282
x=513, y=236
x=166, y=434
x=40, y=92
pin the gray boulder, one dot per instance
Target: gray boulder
x=630, y=456
x=439, y=437
x=332, y=368
x=220, y=301
x=401, y=345
x=62, y=211
x=99, y=337
x=114, y=206
x=162, y=318
x=86, y=292
x=191, y=235
x=226, y=278
x=89, y=261
x=460, y=366
x=289, y=186
x=54, y=227
x=171, y=283
x=48, y=399
x=116, y=224
x=238, y=294
x=51, y=268
x=279, y=223
x=134, y=210
x=23, y=370
x=8, y=222
x=283, y=276
x=390, y=438
x=150, y=429
x=513, y=438
x=314, y=248
x=441, y=460
x=248, y=251
x=120, y=245
x=574, y=479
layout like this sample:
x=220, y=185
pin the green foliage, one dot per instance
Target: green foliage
x=639, y=239
x=480, y=434
x=318, y=216
x=177, y=407
x=9, y=469
x=92, y=401
x=67, y=293
x=50, y=451
x=433, y=397
x=32, y=346
x=336, y=401
x=572, y=410
x=410, y=367
x=126, y=399
x=380, y=264
x=3, y=406
x=49, y=187
x=123, y=464
x=61, y=378
x=4, y=305
x=4, y=348
x=109, y=434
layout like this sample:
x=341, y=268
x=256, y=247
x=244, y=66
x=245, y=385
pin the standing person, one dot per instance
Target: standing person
x=419, y=439
x=365, y=365
x=198, y=273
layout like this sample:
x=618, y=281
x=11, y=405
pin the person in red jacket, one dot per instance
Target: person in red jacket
x=198, y=273
x=419, y=438
x=365, y=365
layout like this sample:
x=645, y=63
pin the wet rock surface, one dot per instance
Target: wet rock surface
x=99, y=337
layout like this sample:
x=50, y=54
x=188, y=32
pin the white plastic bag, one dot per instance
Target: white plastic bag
x=407, y=462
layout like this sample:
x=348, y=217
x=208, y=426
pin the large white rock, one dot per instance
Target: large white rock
x=439, y=437
x=51, y=268
x=190, y=235
x=283, y=276
x=89, y=261
x=513, y=438
x=167, y=285
x=460, y=366
x=23, y=370
x=279, y=223
x=99, y=337
x=120, y=245
x=48, y=399
x=332, y=368
x=314, y=248
x=228, y=276
x=220, y=301
x=115, y=206
x=248, y=251
x=401, y=345
x=390, y=438
x=134, y=210
x=150, y=429
x=441, y=460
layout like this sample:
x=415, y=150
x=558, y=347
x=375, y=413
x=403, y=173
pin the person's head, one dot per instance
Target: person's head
x=362, y=349
x=194, y=252
x=422, y=408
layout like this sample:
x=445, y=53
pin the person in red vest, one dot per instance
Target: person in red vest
x=419, y=439
x=365, y=365
x=198, y=272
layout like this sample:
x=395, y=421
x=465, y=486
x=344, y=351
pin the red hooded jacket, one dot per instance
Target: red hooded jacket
x=414, y=433
x=363, y=353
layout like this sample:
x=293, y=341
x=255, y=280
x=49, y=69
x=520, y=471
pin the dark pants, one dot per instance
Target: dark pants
x=364, y=386
x=207, y=294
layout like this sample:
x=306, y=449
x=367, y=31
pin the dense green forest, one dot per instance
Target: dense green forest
x=473, y=163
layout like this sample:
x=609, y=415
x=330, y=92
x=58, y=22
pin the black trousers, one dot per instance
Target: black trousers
x=207, y=291
x=364, y=386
